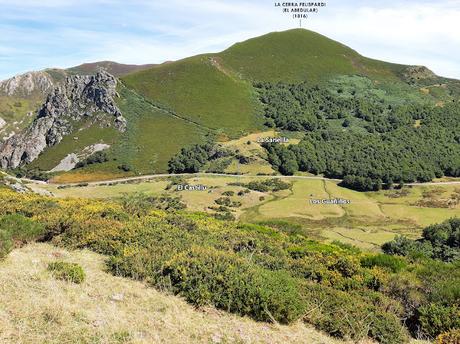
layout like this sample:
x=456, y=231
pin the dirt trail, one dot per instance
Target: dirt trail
x=164, y=175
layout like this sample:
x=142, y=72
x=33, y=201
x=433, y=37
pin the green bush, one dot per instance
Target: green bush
x=435, y=319
x=349, y=316
x=140, y=204
x=125, y=167
x=69, y=272
x=17, y=229
x=225, y=216
x=268, y=185
x=440, y=281
x=408, y=290
x=334, y=270
x=6, y=243
x=386, y=328
x=250, y=228
x=96, y=158
x=439, y=241
x=207, y=276
x=283, y=226
x=392, y=263
x=403, y=246
x=21, y=228
x=225, y=201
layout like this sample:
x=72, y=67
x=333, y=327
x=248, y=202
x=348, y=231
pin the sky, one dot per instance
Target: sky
x=62, y=33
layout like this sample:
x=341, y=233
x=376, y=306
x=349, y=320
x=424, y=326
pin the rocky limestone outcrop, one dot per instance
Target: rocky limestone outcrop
x=80, y=97
x=26, y=84
x=412, y=74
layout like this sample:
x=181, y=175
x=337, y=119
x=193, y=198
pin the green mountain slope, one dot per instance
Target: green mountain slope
x=200, y=90
x=215, y=90
x=299, y=55
x=153, y=135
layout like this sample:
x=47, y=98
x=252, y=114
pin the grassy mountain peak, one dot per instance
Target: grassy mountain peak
x=299, y=55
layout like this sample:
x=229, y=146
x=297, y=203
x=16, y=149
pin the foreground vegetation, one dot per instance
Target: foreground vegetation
x=440, y=241
x=35, y=308
x=269, y=273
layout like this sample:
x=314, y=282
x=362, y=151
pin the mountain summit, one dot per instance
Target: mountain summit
x=299, y=55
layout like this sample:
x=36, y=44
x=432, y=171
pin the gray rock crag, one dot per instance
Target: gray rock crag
x=89, y=98
x=27, y=84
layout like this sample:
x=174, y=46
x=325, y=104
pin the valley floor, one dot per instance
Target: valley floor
x=371, y=218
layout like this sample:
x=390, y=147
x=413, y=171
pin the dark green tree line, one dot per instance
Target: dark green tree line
x=391, y=149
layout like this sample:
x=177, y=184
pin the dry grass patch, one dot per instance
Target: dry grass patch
x=83, y=177
x=35, y=308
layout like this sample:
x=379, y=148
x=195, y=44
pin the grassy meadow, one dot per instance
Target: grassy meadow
x=14, y=110
x=82, y=137
x=153, y=135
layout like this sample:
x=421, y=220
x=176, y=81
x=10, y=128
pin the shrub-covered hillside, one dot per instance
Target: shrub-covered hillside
x=257, y=271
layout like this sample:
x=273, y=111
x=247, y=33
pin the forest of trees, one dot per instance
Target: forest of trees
x=388, y=144
x=192, y=159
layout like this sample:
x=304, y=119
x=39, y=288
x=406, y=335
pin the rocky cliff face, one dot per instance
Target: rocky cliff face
x=79, y=97
x=27, y=84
